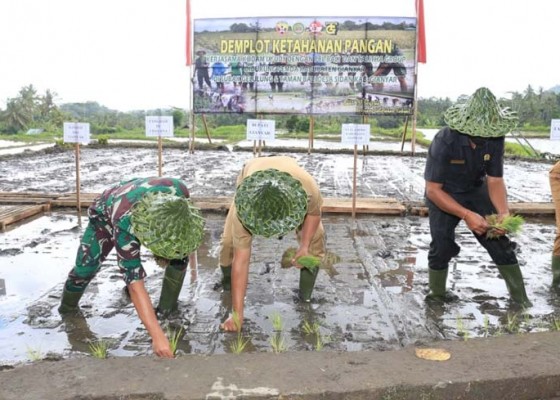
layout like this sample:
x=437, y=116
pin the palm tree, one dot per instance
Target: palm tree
x=17, y=117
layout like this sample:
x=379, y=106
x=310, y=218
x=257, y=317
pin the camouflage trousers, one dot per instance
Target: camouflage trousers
x=95, y=245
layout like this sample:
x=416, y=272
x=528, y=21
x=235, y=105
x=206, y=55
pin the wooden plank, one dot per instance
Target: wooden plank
x=519, y=208
x=532, y=208
x=11, y=214
x=380, y=205
x=385, y=206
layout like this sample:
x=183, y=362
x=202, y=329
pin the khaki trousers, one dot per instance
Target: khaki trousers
x=554, y=176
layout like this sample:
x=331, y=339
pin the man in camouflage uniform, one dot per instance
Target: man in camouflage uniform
x=110, y=226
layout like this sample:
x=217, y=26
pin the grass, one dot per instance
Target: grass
x=99, y=349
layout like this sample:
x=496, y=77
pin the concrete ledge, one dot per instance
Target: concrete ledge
x=520, y=367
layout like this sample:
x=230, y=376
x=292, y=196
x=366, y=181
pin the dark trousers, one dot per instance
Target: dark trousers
x=442, y=228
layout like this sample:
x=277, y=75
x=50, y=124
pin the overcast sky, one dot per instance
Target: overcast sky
x=130, y=54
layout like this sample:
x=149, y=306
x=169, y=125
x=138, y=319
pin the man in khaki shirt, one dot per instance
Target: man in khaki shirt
x=274, y=196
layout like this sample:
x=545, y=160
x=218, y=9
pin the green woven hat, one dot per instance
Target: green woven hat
x=169, y=226
x=481, y=115
x=270, y=203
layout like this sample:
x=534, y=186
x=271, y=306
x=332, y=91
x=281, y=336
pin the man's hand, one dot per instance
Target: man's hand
x=231, y=325
x=299, y=253
x=476, y=223
x=161, y=348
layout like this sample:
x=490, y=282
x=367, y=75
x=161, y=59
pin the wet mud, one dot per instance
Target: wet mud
x=373, y=298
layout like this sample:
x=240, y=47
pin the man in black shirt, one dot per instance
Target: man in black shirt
x=464, y=181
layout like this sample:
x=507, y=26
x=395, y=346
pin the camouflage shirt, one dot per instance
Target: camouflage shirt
x=113, y=209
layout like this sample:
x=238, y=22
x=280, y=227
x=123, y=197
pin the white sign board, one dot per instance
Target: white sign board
x=76, y=132
x=260, y=129
x=555, y=129
x=159, y=126
x=355, y=134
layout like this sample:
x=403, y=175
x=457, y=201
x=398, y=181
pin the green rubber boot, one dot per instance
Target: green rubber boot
x=514, y=282
x=307, y=283
x=226, y=277
x=170, y=289
x=69, y=302
x=437, y=281
x=556, y=271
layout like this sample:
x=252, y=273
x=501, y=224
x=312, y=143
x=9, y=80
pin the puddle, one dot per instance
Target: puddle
x=373, y=300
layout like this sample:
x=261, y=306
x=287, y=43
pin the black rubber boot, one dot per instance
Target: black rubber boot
x=69, y=302
x=437, y=282
x=226, y=277
x=556, y=271
x=514, y=282
x=307, y=283
x=171, y=288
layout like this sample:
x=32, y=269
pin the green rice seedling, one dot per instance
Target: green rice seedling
x=99, y=349
x=174, y=337
x=240, y=342
x=33, y=354
x=278, y=343
x=486, y=326
x=512, y=325
x=461, y=329
x=309, y=262
x=511, y=224
x=310, y=328
x=277, y=323
x=321, y=341
x=555, y=324
x=527, y=322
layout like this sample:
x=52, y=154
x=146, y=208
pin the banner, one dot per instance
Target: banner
x=304, y=65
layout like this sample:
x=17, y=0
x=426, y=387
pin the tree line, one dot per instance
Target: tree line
x=29, y=109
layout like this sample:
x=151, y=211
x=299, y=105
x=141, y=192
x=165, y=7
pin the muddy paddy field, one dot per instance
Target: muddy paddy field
x=373, y=299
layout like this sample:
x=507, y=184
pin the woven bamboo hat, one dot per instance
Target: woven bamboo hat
x=167, y=225
x=481, y=115
x=270, y=203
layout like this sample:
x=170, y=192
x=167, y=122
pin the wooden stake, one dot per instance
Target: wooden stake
x=311, y=133
x=206, y=128
x=78, y=200
x=160, y=146
x=404, y=133
x=191, y=144
x=354, y=181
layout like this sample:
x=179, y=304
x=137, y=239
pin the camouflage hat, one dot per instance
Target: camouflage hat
x=270, y=203
x=481, y=115
x=169, y=226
